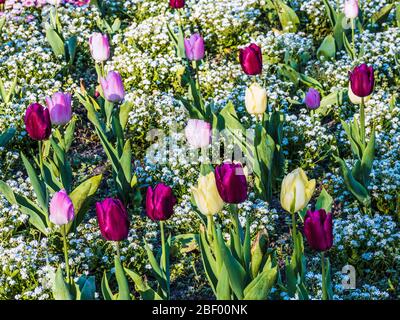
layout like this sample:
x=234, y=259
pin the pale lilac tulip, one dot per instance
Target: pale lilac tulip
x=61, y=208
x=198, y=133
x=351, y=9
x=194, y=47
x=60, y=108
x=312, y=99
x=113, y=87
x=99, y=47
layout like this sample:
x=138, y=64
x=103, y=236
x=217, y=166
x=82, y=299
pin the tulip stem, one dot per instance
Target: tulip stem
x=362, y=121
x=40, y=154
x=353, y=38
x=118, y=250
x=324, y=292
x=210, y=226
x=64, y=233
x=237, y=229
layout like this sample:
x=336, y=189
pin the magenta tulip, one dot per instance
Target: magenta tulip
x=318, y=229
x=113, y=219
x=176, y=4
x=113, y=87
x=61, y=208
x=251, y=59
x=194, y=47
x=231, y=182
x=60, y=109
x=37, y=122
x=160, y=202
x=99, y=47
x=362, y=80
x=312, y=99
x=198, y=133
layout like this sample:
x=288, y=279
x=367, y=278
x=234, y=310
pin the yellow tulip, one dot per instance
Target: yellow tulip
x=256, y=99
x=296, y=191
x=206, y=195
x=356, y=99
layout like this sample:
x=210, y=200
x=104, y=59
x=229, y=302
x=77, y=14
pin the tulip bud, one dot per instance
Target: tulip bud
x=312, y=99
x=362, y=80
x=318, y=229
x=99, y=47
x=59, y=106
x=194, y=47
x=61, y=208
x=37, y=122
x=206, y=195
x=251, y=59
x=113, y=219
x=351, y=9
x=113, y=87
x=296, y=191
x=198, y=133
x=160, y=202
x=176, y=4
x=255, y=99
x=355, y=99
x=231, y=182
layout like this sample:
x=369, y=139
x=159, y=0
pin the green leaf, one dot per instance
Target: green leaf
x=324, y=201
x=331, y=13
x=87, y=288
x=258, y=252
x=338, y=31
x=381, y=16
x=327, y=48
x=122, y=281
x=6, y=137
x=71, y=45
x=69, y=134
x=55, y=42
x=223, y=288
x=348, y=47
x=124, y=112
x=157, y=271
x=331, y=100
x=105, y=288
x=37, y=184
x=260, y=287
x=142, y=287
x=247, y=247
x=60, y=288
x=368, y=159
x=287, y=16
x=209, y=263
x=81, y=198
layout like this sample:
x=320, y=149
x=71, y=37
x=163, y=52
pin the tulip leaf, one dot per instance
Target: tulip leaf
x=81, y=197
x=60, y=288
x=142, y=287
x=69, y=134
x=327, y=48
x=105, y=288
x=55, y=41
x=257, y=255
x=122, y=281
x=368, y=159
x=6, y=136
x=157, y=271
x=247, y=247
x=260, y=287
x=208, y=262
x=223, y=288
x=124, y=112
x=333, y=99
x=338, y=31
x=324, y=201
x=380, y=16
x=331, y=13
x=71, y=45
x=348, y=47
x=87, y=288
x=37, y=184
x=50, y=178
x=287, y=16
x=63, y=165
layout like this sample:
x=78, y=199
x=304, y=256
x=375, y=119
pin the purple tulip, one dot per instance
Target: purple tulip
x=198, y=133
x=113, y=219
x=194, y=47
x=99, y=47
x=251, y=59
x=160, y=202
x=176, y=4
x=61, y=208
x=318, y=229
x=231, y=182
x=113, y=87
x=362, y=80
x=312, y=99
x=59, y=106
x=37, y=122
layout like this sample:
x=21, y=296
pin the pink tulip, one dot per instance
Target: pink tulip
x=198, y=133
x=194, y=47
x=60, y=108
x=61, y=208
x=351, y=9
x=112, y=87
x=99, y=47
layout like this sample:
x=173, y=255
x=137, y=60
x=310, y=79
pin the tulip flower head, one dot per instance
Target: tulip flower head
x=60, y=109
x=176, y=4
x=318, y=229
x=355, y=99
x=206, y=195
x=351, y=9
x=194, y=47
x=160, y=202
x=113, y=87
x=362, y=80
x=61, y=208
x=251, y=59
x=312, y=99
x=255, y=99
x=113, y=219
x=37, y=122
x=296, y=191
x=198, y=133
x=99, y=47
x=231, y=182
